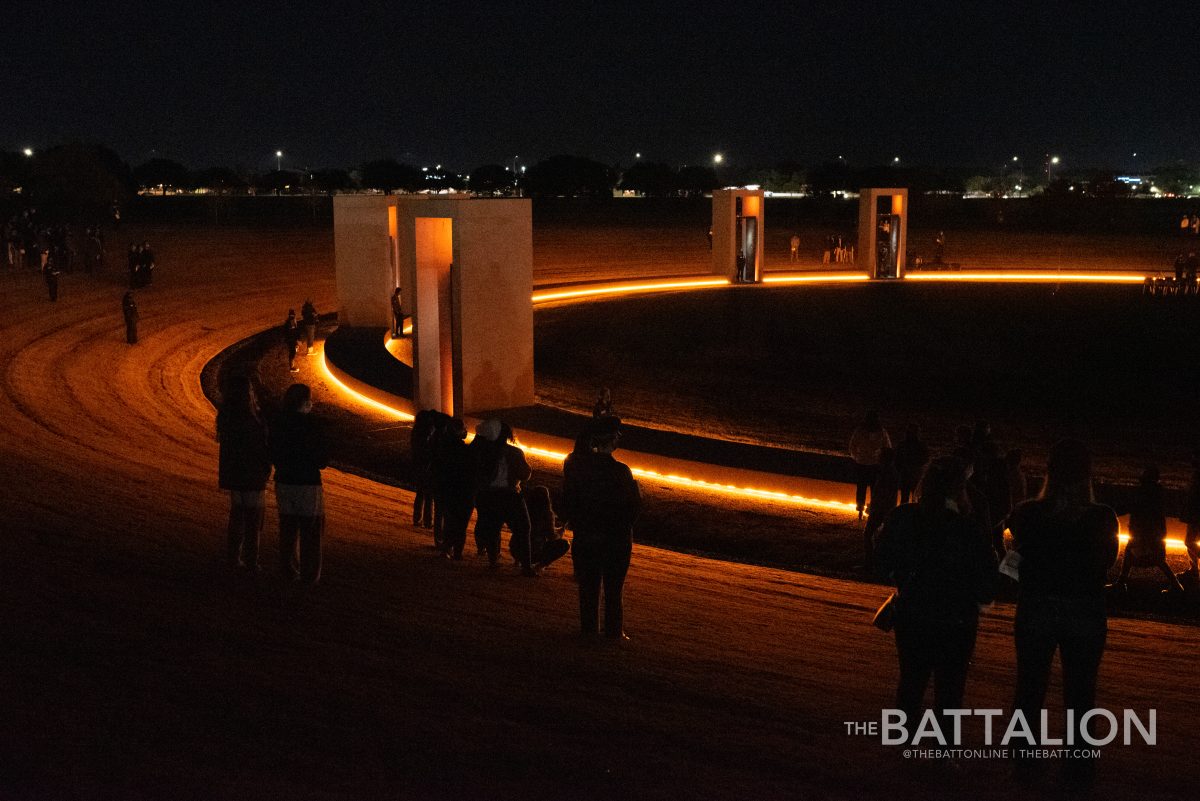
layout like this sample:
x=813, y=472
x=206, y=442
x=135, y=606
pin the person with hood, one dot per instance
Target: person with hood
x=300, y=451
x=601, y=501
x=501, y=468
x=244, y=465
x=308, y=318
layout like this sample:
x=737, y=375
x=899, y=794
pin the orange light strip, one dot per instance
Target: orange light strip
x=599, y=290
x=815, y=278
x=355, y=395
x=1031, y=277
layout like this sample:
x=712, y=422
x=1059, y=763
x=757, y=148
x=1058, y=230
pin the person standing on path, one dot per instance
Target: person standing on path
x=794, y=249
x=866, y=446
x=912, y=455
x=50, y=274
x=601, y=501
x=130, y=310
x=397, y=315
x=244, y=465
x=291, y=339
x=1066, y=544
x=300, y=451
x=308, y=317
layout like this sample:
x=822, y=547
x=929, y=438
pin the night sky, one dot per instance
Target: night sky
x=333, y=84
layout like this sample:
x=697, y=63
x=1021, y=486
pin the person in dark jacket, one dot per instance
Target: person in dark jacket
x=146, y=265
x=912, y=454
x=501, y=469
x=132, y=262
x=1067, y=543
x=1147, y=546
x=244, y=465
x=454, y=473
x=308, y=318
x=601, y=501
x=130, y=310
x=291, y=339
x=299, y=451
x=937, y=554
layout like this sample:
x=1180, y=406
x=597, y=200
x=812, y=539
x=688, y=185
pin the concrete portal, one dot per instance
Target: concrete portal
x=464, y=266
x=883, y=231
x=737, y=234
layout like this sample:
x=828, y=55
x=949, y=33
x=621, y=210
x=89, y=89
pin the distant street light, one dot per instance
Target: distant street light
x=895, y=159
x=637, y=155
x=278, y=161
x=718, y=158
x=1050, y=162
x=28, y=151
x=1016, y=158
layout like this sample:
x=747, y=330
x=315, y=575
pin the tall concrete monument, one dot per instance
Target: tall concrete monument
x=883, y=231
x=464, y=266
x=737, y=234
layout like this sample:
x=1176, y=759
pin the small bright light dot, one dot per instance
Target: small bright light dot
x=424, y=169
x=1016, y=158
x=278, y=154
x=28, y=151
x=1054, y=160
x=718, y=158
x=896, y=160
x=438, y=167
x=522, y=169
x=637, y=155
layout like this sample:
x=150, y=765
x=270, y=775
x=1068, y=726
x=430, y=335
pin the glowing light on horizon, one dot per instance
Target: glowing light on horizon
x=1040, y=277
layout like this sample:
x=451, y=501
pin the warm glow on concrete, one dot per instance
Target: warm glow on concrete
x=1031, y=277
x=600, y=290
x=353, y=395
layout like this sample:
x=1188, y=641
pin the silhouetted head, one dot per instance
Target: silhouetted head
x=1069, y=472
x=489, y=430
x=298, y=398
x=605, y=434
x=945, y=480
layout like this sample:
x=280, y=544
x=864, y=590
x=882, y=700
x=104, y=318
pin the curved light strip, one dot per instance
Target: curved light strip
x=1031, y=277
x=599, y=290
x=815, y=278
x=685, y=481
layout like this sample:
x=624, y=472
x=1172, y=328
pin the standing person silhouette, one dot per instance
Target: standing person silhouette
x=397, y=314
x=308, y=318
x=912, y=455
x=601, y=501
x=1067, y=542
x=244, y=465
x=130, y=311
x=299, y=451
x=291, y=339
x=866, y=444
x=1191, y=517
x=938, y=555
x=1147, y=546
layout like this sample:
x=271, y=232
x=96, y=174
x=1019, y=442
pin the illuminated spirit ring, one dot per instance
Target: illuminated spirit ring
x=731, y=482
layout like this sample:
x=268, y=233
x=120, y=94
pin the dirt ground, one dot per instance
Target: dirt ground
x=134, y=667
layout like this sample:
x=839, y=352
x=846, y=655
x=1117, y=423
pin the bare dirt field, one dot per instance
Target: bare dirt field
x=134, y=667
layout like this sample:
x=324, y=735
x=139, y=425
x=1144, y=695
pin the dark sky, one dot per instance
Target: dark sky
x=335, y=83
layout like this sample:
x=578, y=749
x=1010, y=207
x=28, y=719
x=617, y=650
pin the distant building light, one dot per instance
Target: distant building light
x=1128, y=179
x=424, y=169
x=28, y=151
x=1017, y=187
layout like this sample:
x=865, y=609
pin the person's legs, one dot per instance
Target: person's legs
x=516, y=515
x=1082, y=648
x=1172, y=580
x=289, y=530
x=487, y=526
x=418, y=506
x=310, y=548
x=250, y=543
x=1192, y=540
x=954, y=648
x=916, y=666
x=552, y=551
x=234, y=533
x=589, y=573
x=1036, y=637
x=616, y=567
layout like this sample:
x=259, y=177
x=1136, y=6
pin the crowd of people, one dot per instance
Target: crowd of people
x=837, y=250
x=945, y=552
x=489, y=478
